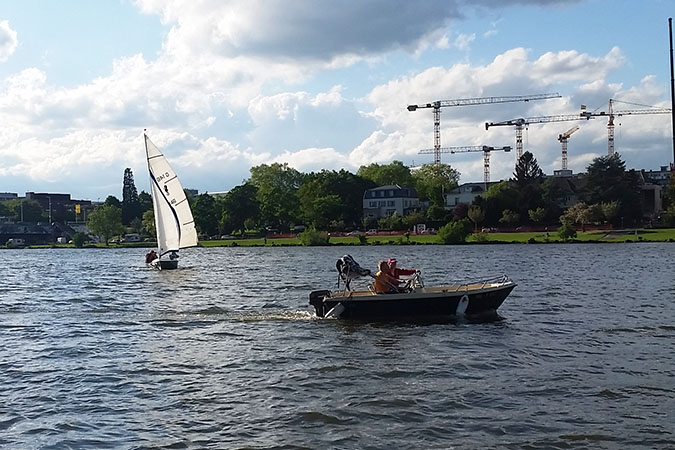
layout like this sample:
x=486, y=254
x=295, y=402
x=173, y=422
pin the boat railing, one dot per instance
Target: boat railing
x=414, y=282
x=482, y=282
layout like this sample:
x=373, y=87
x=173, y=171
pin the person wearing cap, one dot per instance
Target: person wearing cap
x=396, y=272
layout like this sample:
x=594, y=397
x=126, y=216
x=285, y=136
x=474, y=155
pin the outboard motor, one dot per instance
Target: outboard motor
x=349, y=269
x=316, y=300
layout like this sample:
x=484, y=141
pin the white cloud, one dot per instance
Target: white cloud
x=305, y=29
x=8, y=40
x=249, y=82
x=463, y=41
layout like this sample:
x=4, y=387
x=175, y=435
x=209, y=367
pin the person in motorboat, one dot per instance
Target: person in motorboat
x=150, y=256
x=384, y=282
x=396, y=272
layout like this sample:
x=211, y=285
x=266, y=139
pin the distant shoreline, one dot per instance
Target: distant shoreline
x=588, y=237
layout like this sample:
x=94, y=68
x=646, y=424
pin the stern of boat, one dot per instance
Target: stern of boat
x=316, y=300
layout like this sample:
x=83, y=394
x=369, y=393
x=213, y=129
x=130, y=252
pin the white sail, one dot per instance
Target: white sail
x=173, y=218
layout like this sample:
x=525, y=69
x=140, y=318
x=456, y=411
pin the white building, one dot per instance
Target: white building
x=384, y=201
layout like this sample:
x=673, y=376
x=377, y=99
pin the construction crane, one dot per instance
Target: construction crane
x=611, y=113
x=519, y=123
x=472, y=148
x=437, y=105
x=563, y=141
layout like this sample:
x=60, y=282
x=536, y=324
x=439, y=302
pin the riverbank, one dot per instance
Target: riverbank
x=597, y=236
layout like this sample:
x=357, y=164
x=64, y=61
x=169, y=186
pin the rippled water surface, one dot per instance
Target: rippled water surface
x=97, y=351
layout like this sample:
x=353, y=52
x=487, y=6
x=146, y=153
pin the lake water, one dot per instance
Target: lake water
x=97, y=351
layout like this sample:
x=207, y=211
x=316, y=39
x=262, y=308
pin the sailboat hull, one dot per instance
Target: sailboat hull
x=164, y=264
x=168, y=264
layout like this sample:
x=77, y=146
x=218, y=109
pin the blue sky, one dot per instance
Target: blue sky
x=222, y=86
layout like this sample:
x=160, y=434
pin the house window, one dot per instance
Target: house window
x=382, y=203
x=372, y=204
x=391, y=203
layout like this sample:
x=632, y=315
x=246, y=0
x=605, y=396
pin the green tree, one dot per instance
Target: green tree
x=460, y=211
x=136, y=225
x=580, y=213
x=277, y=186
x=454, y=232
x=476, y=215
x=528, y=178
x=510, y=217
x=239, y=205
x=79, y=239
x=608, y=180
x=144, y=201
x=149, y=222
x=32, y=210
x=436, y=213
x=106, y=221
x=610, y=210
x=393, y=222
x=131, y=207
x=389, y=174
x=205, y=215
x=113, y=201
x=537, y=215
x=414, y=218
x=323, y=210
x=311, y=236
x=349, y=189
x=433, y=180
x=566, y=232
x=498, y=197
x=669, y=216
x=527, y=170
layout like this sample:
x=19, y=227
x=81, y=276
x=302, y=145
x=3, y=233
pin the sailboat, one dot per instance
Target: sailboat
x=173, y=219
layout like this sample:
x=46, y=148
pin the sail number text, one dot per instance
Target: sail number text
x=162, y=176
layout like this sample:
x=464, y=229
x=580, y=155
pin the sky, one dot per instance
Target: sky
x=223, y=86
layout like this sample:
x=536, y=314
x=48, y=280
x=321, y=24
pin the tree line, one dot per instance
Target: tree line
x=278, y=197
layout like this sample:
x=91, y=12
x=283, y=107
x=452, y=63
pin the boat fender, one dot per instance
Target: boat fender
x=462, y=305
x=335, y=312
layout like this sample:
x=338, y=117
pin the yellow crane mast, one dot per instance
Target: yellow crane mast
x=563, y=141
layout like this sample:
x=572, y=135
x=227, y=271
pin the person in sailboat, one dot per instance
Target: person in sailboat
x=150, y=256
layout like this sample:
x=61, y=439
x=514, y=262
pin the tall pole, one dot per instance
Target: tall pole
x=672, y=86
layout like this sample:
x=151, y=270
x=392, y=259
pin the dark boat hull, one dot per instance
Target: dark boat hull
x=474, y=303
x=165, y=264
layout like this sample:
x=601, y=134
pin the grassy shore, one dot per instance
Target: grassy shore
x=630, y=235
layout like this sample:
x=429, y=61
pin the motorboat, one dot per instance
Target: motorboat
x=475, y=299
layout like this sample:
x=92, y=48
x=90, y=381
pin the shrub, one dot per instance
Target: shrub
x=312, y=236
x=79, y=238
x=455, y=232
x=566, y=232
x=481, y=237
